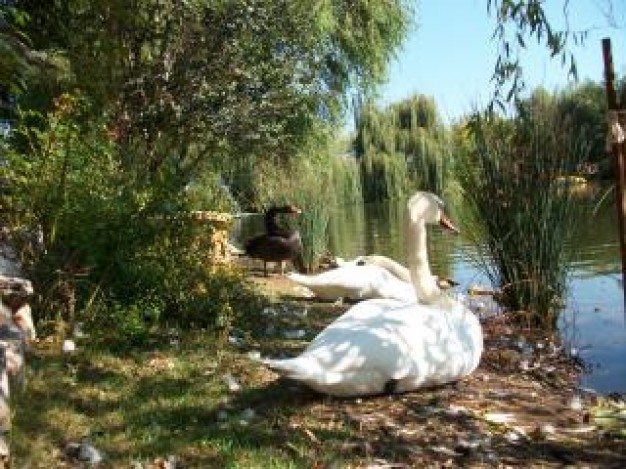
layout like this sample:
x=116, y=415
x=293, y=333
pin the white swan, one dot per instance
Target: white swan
x=356, y=281
x=385, y=262
x=365, y=277
x=389, y=346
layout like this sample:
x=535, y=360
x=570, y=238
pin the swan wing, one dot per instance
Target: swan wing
x=382, y=341
x=355, y=282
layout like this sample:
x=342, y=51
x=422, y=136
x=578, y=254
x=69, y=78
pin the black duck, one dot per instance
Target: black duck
x=278, y=244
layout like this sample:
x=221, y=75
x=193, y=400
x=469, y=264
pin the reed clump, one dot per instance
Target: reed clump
x=522, y=214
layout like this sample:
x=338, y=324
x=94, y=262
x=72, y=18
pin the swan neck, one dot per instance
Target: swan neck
x=425, y=286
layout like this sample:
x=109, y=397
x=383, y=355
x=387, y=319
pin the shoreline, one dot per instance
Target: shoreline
x=523, y=405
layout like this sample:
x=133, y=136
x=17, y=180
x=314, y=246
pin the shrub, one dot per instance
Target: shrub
x=102, y=243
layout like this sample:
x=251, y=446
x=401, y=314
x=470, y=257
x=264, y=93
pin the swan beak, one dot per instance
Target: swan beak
x=446, y=223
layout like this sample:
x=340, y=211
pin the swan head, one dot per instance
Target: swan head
x=429, y=208
x=424, y=208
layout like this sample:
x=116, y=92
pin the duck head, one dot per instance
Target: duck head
x=271, y=225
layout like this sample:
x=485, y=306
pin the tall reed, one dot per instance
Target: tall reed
x=523, y=213
x=345, y=181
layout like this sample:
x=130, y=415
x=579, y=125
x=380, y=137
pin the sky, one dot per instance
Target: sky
x=450, y=54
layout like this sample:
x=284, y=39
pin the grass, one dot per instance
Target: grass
x=139, y=405
x=136, y=405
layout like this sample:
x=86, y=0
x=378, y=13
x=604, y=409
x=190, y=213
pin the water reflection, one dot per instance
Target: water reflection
x=379, y=229
x=594, y=321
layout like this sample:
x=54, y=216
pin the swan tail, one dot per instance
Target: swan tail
x=299, y=278
x=298, y=368
x=306, y=281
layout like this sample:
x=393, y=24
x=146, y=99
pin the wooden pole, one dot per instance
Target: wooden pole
x=617, y=150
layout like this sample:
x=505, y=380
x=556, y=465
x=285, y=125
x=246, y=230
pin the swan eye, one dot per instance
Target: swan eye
x=439, y=201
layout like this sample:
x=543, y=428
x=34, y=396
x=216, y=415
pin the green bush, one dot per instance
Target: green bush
x=102, y=243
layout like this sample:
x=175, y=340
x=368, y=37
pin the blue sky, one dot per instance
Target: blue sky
x=450, y=54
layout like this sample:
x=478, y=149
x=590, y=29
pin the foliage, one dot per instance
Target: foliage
x=517, y=23
x=585, y=107
x=208, y=191
x=383, y=176
x=63, y=196
x=410, y=131
x=212, y=303
x=132, y=323
x=219, y=80
x=96, y=242
x=345, y=180
x=522, y=209
x=17, y=60
x=178, y=96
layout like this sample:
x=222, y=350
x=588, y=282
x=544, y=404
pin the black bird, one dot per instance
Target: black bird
x=278, y=244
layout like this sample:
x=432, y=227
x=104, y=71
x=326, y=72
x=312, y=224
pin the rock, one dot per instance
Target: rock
x=83, y=452
x=294, y=334
x=232, y=383
x=248, y=414
x=68, y=346
x=576, y=403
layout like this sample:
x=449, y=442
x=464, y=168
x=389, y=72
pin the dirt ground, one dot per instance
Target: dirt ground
x=521, y=408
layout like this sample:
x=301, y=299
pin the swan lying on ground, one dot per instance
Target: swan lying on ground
x=387, y=263
x=365, y=277
x=387, y=345
x=356, y=282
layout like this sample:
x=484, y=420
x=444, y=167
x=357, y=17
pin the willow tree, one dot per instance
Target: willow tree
x=410, y=137
x=215, y=80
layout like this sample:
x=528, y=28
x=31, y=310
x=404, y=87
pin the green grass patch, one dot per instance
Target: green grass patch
x=170, y=396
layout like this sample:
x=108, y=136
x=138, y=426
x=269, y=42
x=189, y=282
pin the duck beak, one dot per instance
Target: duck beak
x=446, y=223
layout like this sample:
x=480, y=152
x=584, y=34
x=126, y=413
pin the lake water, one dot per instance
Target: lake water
x=593, y=324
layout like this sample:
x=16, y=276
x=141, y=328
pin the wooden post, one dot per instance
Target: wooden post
x=617, y=150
